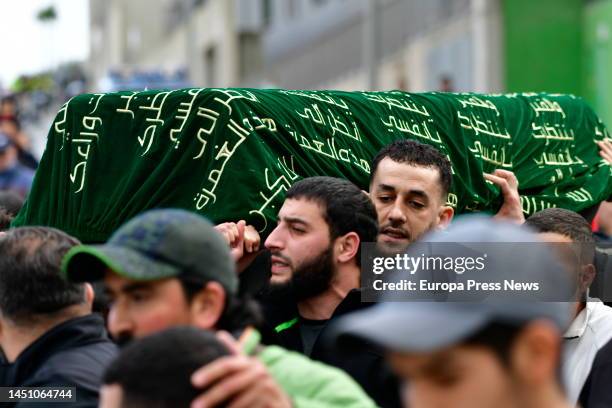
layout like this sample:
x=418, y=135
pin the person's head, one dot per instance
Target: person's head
x=155, y=372
x=161, y=269
x=8, y=152
x=409, y=185
x=32, y=291
x=573, y=238
x=11, y=126
x=446, y=84
x=500, y=366
x=8, y=106
x=501, y=351
x=494, y=360
x=317, y=240
x=11, y=202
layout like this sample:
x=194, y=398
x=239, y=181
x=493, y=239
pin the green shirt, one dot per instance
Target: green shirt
x=309, y=384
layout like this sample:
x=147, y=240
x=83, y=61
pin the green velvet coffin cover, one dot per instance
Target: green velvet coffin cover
x=232, y=153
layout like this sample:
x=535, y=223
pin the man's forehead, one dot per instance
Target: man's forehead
x=430, y=362
x=416, y=364
x=304, y=209
x=112, y=280
x=404, y=177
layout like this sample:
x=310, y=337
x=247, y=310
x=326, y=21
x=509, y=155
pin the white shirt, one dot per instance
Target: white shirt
x=589, y=331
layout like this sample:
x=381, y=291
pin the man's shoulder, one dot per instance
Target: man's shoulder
x=77, y=349
x=82, y=365
x=279, y=358
x=351, y=303
x=601, y=316
x=318, y=381
x=604, y=356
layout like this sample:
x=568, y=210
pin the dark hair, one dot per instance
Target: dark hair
x=8, y=99
x=30, y=283
x=499, y=337
x=11, y=202
x=345, y=207
x=415, y=153
x=568, y=223
x=239, y=311
x=155, y=371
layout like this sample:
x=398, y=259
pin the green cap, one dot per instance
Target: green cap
x=157, y=244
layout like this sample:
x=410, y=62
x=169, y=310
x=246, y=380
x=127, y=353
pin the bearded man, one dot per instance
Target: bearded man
x=315, y=260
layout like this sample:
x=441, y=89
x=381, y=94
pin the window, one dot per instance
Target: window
x=267, y=12
x=210, y=66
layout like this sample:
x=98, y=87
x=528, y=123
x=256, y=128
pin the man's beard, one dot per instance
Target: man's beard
x=308, y=280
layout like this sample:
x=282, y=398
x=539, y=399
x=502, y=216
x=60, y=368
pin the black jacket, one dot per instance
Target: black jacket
x=596, y=392
x=365, y=363
x=72, y=354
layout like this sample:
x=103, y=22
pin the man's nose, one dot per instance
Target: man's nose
x=119, y=323
x=274, y=241
x=397, y=214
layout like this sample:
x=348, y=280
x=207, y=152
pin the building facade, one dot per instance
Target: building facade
x=384, y=44
x=416, y=45
x=343, y=44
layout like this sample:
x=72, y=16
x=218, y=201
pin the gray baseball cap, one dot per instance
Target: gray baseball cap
x=422, y=326
x=158, y=244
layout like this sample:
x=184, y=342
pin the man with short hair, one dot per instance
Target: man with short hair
x=315, y=256
x=167, y=268
x=409, y=185
x=503, y=352
x=591, y=327
x=48, y=334
x=136, y=380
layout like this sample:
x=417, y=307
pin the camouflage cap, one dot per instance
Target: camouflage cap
x=157, y=244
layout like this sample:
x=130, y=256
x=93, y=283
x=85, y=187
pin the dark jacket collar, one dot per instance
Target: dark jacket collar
x=73, y=333
x=350, y=303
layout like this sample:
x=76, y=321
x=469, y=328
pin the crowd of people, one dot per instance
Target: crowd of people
x=173, y=311
x=17, y=163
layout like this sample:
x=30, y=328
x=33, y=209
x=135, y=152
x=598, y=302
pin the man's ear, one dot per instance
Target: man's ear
x=587, y=276
x=208, y=305
x=89, y=294
x=535, y=354
x=346, y=247
x=445, y=216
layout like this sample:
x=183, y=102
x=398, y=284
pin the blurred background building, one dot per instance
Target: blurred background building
x=415, y=45
x=308, y=44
